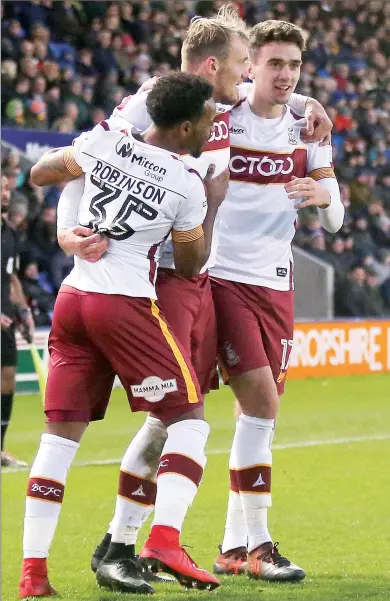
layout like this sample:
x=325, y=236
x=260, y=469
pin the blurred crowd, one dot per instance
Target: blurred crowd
x=66, y=65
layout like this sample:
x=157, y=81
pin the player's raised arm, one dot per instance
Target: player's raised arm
x=56, y=167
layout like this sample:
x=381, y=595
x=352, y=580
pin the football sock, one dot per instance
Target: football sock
x=45, y=493
x=235, y=526
x=137, y=482
x=6, y=410
x=180, y=472
x=253, y=455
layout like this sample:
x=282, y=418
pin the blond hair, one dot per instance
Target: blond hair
x=212, y=36
x=276, y=31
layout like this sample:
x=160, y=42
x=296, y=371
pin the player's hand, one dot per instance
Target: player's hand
x=83, y=242
x=319, y=126
x=216, y=187
x=310, y=191
x=5, y=321
x=148, y=84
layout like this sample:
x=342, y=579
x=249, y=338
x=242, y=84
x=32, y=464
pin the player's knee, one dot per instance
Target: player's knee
x=196, y=413
x=256, y=393
x=69, y=430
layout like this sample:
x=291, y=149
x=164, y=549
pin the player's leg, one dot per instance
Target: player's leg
x=136, y=495
x=204, y=338
x=235, y=322
x=78, y=389
x=158, y=378
x=262, y=357
x=180, y=472
x=180, y=304
x=8, y=372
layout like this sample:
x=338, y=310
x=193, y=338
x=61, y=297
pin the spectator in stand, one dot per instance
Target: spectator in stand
x=338, y=259
x=75, y=96
x=380, y=266
x=375, y=302
x=350, y=255
x=40, y=301
x=14, y=114
x=317, y=247
x=363, y=241
x=43, y=239
x=351, y=295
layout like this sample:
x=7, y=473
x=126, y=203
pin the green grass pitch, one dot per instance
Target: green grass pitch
x=331, y=502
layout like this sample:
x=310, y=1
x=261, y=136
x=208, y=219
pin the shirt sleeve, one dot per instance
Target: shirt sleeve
x=192, y=209
x=297, y=103
x=77, y=147
x=244, y=90
x=320, y=168
x=133, y=109
x=69, y=203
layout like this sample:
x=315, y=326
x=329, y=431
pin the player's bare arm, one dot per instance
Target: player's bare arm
x=189, y=251
x=55, y=167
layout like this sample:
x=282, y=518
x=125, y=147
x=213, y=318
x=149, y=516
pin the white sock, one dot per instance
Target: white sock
x=180, y=471
x=252, y=442
x=45, y=492
x=235, y=526
x=137, y=482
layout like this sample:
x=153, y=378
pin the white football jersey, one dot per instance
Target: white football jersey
x=134, y=193
x=257, y=219
x=216, y=151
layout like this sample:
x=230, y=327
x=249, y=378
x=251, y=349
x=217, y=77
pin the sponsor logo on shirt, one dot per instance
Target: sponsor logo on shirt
x=220, y=137
x=236, y=130
x=265, y=166
x=281, y=272
x=123, y=148
x=143, y=162
x=220, y=132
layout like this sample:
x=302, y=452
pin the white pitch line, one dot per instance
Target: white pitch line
x=313, y=443
x=276, y=447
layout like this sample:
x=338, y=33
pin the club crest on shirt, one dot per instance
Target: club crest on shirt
x=231, y=356
x=291, y=136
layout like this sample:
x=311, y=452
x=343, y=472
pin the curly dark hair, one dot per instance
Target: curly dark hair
x=177, y=98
